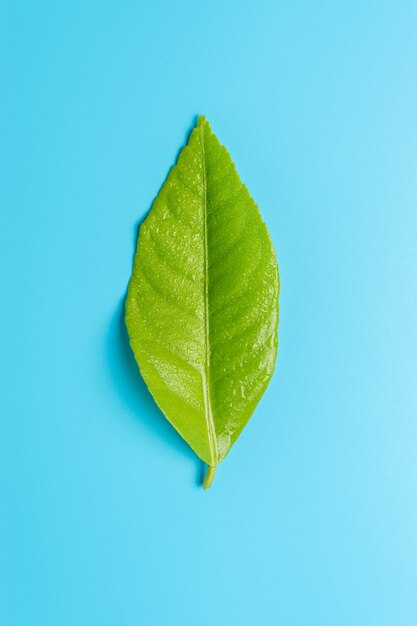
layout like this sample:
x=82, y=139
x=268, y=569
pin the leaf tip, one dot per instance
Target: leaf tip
x=202, y=121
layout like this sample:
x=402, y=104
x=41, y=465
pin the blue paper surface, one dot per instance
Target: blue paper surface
x=312, y=518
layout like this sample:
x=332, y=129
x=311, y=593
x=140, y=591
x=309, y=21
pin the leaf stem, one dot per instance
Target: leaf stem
x=208, y=479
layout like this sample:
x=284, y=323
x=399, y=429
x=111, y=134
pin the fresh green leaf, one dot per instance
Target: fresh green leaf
x=202, y=303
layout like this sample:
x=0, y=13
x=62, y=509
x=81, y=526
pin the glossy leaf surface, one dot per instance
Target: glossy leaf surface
x=202, y=304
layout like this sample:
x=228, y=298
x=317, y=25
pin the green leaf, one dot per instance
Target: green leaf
x=202, y=303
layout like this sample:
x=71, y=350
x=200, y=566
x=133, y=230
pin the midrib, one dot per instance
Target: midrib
x=206, y=372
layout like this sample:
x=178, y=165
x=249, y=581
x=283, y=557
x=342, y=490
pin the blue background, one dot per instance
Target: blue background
x=312, y=519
